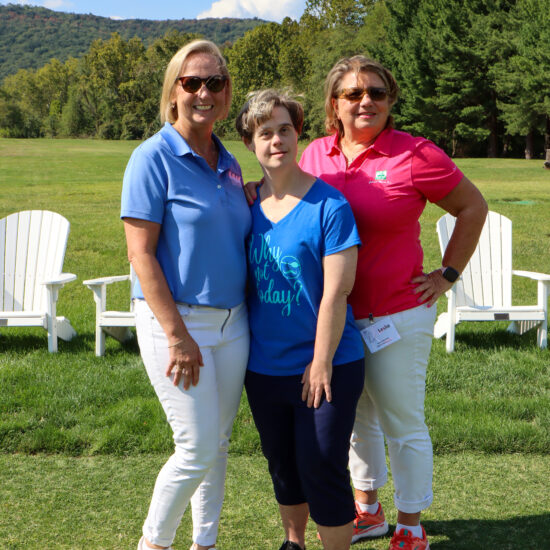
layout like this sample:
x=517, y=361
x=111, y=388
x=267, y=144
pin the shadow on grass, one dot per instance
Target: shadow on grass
x=521, y=532
x=468, y=337
x=477, y=534
x=28, y=341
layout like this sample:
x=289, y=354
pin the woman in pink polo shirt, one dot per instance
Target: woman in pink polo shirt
x=387, y=176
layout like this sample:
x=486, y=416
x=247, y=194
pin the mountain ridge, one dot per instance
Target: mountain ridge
x=31, y=36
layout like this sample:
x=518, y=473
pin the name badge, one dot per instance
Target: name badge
x=380, y=334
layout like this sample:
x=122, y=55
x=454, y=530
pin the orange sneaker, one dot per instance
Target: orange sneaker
x=404, y=540
x=367, y=525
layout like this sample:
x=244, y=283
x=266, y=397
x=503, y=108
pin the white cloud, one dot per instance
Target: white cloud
x=116, y=17
x=56, y=4
x=263, y=9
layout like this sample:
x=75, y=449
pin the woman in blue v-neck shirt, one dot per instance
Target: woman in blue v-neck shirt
x=305, y=370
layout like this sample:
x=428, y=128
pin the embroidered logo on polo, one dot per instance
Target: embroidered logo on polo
x=234, y=178
x=276, y=274
x=380, y=176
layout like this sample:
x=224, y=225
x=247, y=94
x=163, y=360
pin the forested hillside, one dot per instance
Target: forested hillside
x=30, y=36
x=474, y=76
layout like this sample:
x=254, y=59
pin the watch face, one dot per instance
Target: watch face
x=451, y=274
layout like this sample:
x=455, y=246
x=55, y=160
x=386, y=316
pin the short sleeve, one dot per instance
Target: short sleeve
x=144, y=187
x=433, y=173
x=339, y=229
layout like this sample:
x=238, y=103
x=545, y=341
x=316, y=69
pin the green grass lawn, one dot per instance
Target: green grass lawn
x=483, y=502
x=82, y=437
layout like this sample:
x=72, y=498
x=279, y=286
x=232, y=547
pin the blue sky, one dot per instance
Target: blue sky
x=175, y=9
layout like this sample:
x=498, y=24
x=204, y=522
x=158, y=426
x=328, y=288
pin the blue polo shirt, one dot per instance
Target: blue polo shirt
x=285, y=263
x=203, y=214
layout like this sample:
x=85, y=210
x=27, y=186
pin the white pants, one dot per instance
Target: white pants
x=392, y=405
x=201, y=417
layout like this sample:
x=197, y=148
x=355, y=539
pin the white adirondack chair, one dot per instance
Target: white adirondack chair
x=113, y=323
x=484, y=290
x=32, y=250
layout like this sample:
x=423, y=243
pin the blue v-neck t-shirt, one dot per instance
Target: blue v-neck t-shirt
x=286, y=281
x=203, y=214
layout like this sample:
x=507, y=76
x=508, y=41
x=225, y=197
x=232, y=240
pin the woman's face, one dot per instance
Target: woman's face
x=275, y=141
x=366, y=118
x=203, y=107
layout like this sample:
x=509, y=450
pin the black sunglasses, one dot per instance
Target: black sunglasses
x=192, y=84
x=357, y=94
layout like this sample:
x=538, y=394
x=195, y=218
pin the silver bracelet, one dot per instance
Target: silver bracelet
x=175, y=344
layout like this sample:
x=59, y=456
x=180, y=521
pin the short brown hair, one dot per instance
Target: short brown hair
x=357, y=64
x=169, y=111
x=259, y=108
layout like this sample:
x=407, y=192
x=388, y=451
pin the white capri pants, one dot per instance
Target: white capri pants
x=201, y=417
x=392, y=405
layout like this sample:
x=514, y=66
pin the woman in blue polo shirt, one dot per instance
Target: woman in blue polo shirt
x=186, y=219
x=305, y=371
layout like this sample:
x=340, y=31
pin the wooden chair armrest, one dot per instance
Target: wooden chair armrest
x=532, y=275
x=61, y=279
x=105, y=280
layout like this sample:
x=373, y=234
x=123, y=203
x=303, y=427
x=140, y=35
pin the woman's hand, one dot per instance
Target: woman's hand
x=339, y=274
x=185, y=361
x=316, y=381
x=251, y=191
x=432, y=286
x=467, y=204
x=185, y=356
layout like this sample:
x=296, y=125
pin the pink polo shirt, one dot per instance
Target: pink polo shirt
x=387, y=186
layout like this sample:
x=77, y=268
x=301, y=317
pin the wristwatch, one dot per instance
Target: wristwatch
x=450, y=273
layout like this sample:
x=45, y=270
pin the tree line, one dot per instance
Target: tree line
x=474, y=74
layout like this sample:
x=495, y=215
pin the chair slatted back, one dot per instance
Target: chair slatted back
x=32, y=250
x=487, y=279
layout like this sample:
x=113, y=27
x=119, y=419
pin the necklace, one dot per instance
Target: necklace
x=352, y=150
x=211, y=156
x=210, y=153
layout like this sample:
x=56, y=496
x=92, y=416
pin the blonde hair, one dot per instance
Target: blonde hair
x=259, y=108
x=169, y=110
x=357, y=64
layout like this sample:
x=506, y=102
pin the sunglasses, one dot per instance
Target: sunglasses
x=192, y=84
x=357, y=94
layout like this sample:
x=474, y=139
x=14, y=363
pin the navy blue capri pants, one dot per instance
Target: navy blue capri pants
x=307, y=449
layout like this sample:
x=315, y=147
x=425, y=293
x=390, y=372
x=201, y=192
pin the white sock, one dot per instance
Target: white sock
x=416, y=530
x=370, y=508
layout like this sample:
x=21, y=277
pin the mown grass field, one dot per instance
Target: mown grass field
x=82, y=438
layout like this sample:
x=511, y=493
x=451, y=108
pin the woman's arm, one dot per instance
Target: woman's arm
x=185, y=356
x=467, y=204
x=339, y=276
